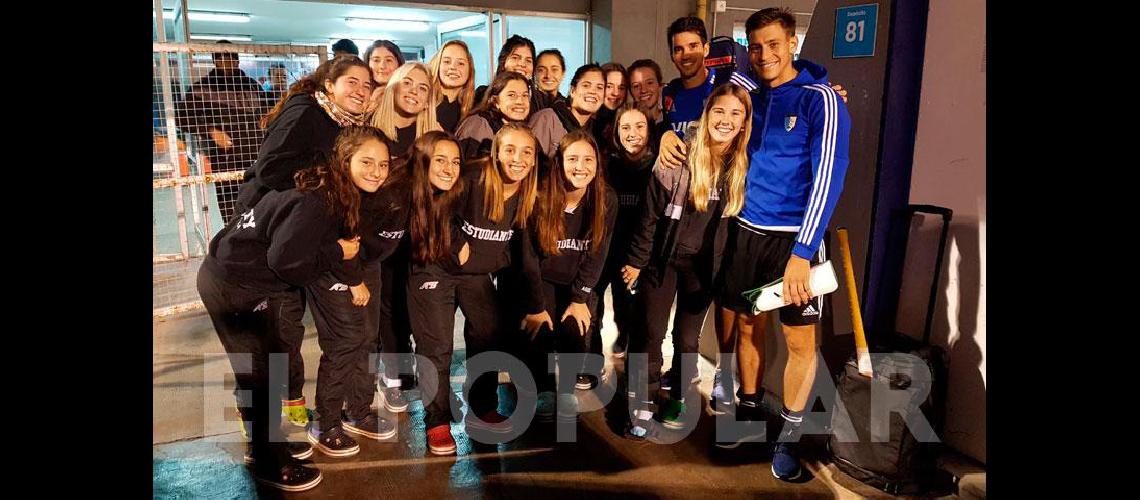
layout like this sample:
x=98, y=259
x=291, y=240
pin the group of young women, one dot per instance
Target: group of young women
x=388, y=194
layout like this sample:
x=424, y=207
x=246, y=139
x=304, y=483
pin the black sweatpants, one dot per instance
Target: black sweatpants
x=362, y=385
x=395, y=329
x=248, y=322
x=566, y=337
x=687, y=279
x=340, y=332
x=433, y=295
x=622, y=305
x=290, y=337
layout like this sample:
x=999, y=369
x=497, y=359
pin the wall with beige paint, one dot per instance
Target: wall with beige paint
x=950, y=170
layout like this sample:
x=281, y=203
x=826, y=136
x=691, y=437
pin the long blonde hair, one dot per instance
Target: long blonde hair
x=467, y=93
x=704, y=172
x=385, y=116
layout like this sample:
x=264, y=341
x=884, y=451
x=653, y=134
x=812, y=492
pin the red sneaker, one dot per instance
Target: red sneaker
x=440, y=441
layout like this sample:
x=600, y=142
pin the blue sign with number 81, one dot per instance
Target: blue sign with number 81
x=855, y=31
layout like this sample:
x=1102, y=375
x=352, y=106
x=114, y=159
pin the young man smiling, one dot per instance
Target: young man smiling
x=798, y=156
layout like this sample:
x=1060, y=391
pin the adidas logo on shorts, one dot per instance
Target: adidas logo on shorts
x=810, y=311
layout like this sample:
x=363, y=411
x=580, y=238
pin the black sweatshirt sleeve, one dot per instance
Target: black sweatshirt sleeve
x=641, y=242
x=295, y=255
x=350, y=272
x=594, y=261
x=288, y=147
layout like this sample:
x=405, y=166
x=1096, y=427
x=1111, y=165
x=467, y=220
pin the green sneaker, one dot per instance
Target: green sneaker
x=294, y=410
x=241, y=422
x=671, y=414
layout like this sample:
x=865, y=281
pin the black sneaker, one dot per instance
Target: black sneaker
x=371, y=426
x=408, y=381
x=619, y=350
x=292, y=477
x=395, y=400
x=668, y=379
x=333, y=442
x=299, y=450
x=586, y=382
x=747, y=411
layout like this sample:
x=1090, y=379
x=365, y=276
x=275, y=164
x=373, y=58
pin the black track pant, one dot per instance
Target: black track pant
x=566, y=337
x=248, y=323
x=394, y=328
x=624, y=317
x=340, y=332
x=362, y=383
x=433, y=295
x=688, y=283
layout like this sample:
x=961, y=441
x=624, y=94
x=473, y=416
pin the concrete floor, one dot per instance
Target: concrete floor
x=201, y=458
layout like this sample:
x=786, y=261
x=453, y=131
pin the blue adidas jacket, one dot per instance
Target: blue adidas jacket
x=798, y=156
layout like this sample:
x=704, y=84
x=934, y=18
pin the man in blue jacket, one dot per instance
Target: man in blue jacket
x=798, y=159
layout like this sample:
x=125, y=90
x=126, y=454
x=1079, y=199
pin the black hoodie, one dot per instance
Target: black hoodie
x=671, y=225
x=489, y=241
x=629, y=178
x=447, y=114
x=301, y=135
x=580, y=261
x=287, y=240
x=384, y=217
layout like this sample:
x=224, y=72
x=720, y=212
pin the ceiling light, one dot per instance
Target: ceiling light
x=232, y=38
x=215, y=17
x=386, y=24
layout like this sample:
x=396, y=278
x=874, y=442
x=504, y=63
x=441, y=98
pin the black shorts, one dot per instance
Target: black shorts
x=755, y=258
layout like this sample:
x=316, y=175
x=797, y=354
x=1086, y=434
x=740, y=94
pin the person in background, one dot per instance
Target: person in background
x=345, y=47
x=550, y=69
x=278, y=84
x=453, y=84
x=516, y=55
x=221, y=111
x=383, y=57
x=617, y=82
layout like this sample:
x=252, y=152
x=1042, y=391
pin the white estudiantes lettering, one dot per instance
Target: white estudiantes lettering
x=486, y=234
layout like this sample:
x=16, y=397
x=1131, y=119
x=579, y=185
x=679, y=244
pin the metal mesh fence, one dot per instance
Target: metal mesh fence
x=208, y=103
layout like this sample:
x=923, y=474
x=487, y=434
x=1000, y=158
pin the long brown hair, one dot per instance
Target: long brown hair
x=628, y=107
x=491, y=179
x=430, y=224
x=312, y=82
x=551, y=224
x=342, y=197
x=490, y=102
